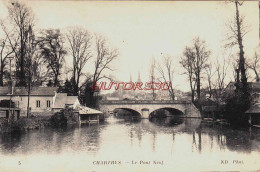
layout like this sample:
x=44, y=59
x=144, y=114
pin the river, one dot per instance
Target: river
x=118, y=145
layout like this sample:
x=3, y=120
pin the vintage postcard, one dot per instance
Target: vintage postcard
x=129, y=86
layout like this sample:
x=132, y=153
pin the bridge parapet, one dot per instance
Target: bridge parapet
x=144, y=102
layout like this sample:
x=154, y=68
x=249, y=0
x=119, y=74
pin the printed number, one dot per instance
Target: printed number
x=19, y=163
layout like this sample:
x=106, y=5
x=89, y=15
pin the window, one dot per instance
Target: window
x=38, y=103
x=48, y=103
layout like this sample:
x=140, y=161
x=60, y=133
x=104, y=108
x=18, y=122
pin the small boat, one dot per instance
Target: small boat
x=207, y=119
x=222, y=122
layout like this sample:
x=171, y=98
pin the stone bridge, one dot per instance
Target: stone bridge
x=145, y=107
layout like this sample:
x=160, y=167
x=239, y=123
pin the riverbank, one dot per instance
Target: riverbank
x=37, y=121
x=24, y=124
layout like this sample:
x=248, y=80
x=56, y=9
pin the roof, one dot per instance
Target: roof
x=35, y=91
x=254, y=109
x=62, y=99
x=87, y=110
x=255, y=85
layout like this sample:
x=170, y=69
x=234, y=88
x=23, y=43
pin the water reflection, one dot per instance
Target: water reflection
x=168, y=121
x=10, y=142
x=168, y=138
x=54, y=141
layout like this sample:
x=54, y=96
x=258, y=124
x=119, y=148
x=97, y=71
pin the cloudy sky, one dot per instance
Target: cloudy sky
x=145, y=30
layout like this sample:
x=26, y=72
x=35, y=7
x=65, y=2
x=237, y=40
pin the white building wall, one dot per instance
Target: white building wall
x=21, y=102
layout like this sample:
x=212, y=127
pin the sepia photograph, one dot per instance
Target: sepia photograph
x=129, y=86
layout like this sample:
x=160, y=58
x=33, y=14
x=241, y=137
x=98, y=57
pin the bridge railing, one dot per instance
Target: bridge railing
x=144, y=102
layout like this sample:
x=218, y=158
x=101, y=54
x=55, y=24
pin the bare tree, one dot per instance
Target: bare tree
x=201, y=61
x=152, y=76
x=104, y=57
x=79, y=47
x=221, y=70
x=195, y=61
x=51, y=44
x=5, y=52
x=22, y=19
x=254, y=65
x=219, y=85
x=238, y=30
x=187, y=61
x=210, y=73
x=166, y=72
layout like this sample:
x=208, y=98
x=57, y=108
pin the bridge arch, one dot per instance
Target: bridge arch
x=132, y=111
x=171, y=112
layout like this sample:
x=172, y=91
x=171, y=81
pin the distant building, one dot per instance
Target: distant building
x=43, y=100
x=254, y=89
x=163, y=95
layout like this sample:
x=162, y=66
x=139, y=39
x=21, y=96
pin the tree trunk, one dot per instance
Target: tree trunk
x=192, y=96
x=1, y=77
x=257, y=76
x=28, y=103
x=198, y=86
x=55, y=81
x=241, y=52
x=210, y=90
x=22, y=73
x=192, y=90
x=2, y=73
x=198, y=91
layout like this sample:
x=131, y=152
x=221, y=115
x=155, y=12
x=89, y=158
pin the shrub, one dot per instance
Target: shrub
x=64, y=117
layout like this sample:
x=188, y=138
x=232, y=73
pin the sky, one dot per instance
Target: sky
x=142, y=30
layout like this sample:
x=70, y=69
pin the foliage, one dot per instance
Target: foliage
x=22, y=19
x=58, y=120
x=80, y=49
x=66, y=88
x=89, y=96
x=240, y=102
x=62, y=118
x=51, y=43
x=22, y=124
x=235, y=110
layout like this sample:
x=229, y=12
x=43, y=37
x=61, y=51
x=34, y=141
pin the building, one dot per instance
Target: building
x=62, y=100
x=254, y=115
x=43, y=100
x=87, y=115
